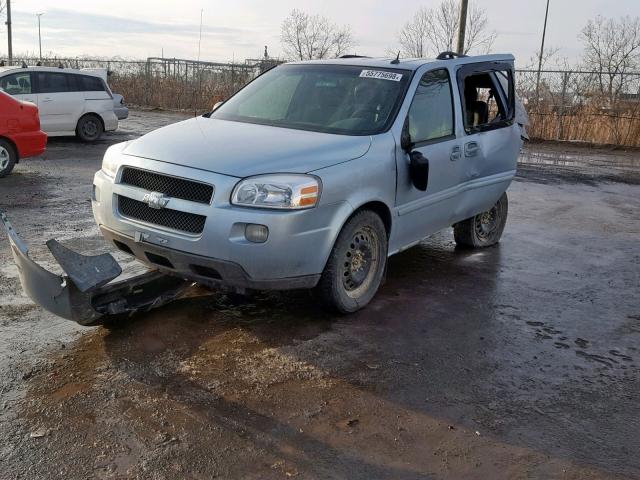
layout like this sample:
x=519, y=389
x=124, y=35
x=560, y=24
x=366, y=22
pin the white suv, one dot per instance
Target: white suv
x=70, y=102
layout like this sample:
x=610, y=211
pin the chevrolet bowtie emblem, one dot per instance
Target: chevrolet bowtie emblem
x=155, y=200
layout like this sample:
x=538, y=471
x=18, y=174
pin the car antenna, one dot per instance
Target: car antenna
x=396, y=61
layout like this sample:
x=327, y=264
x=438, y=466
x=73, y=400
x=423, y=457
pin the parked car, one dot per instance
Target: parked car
x=70, y=102
x=309, y=177
x=20, y=134
x=121, y=111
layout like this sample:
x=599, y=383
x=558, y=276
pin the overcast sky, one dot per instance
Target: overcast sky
x=240, y=28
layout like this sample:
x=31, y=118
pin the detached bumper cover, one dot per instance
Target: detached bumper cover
x=84, y=293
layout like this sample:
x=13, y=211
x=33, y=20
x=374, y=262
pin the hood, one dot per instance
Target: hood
x=245, y=149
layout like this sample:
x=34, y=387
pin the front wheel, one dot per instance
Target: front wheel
x=8, y=158
x=356, y=265
x=89, y=128
x=484, y=229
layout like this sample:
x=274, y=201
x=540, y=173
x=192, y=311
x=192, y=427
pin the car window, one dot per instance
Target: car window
x=487, y=99
x=341, y=99
x=49, y=82
x=431, y=111
x=16, y=84
x=90, y=84
x=273, y=100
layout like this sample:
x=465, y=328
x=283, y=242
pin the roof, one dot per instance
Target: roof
x=407, y=63
x=49, y=69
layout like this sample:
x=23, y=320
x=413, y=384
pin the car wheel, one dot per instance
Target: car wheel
x=89, y=128
x=484, y=229
x=8, y=158
x=356, y=265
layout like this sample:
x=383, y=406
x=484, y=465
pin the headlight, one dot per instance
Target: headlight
x=112, y=158
x=277, y=191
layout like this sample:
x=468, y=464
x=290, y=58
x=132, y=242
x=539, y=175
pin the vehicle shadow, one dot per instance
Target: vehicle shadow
x=227, y=355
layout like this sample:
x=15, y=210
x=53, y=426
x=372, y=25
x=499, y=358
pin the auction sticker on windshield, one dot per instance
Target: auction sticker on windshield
x=381, y=74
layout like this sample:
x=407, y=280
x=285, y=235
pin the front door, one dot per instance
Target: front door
x=431, y=124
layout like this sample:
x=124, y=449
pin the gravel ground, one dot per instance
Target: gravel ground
x=519, y=361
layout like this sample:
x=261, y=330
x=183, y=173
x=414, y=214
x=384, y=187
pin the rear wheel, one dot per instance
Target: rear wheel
x=484, y=229
x=89, y=128
x=8, y=158
x=356, y=266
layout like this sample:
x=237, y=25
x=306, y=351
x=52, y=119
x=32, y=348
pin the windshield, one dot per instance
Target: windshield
x=338, y=99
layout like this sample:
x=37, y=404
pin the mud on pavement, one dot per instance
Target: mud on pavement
x=519, y=361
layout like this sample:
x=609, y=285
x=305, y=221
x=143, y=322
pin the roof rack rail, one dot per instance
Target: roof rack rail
x=353, y=56
x=450, y=55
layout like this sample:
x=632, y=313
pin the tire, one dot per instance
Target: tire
x=356, y=265
x=8, y=158
x=89, y=128
x=485, y=228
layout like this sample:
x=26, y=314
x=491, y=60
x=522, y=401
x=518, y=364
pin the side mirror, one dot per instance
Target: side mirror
x=215, y=107
x=419, y=170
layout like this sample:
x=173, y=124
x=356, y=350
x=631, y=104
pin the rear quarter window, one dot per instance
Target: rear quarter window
x=90, y=84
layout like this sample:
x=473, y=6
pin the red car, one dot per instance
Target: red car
x=20, y=134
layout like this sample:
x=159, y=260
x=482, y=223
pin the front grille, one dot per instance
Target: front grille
x=182, y=221
x=171, y=186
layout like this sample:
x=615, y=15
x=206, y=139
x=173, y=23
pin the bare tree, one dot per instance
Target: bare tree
x=435, y=30
x=612, y=48
x=306, y=37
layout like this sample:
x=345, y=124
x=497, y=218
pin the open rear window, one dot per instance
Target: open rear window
x=487, y=95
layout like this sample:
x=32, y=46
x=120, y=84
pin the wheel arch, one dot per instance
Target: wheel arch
x=376, y=206
x=93, y=114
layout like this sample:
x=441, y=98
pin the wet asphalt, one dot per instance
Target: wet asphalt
x=518, y=361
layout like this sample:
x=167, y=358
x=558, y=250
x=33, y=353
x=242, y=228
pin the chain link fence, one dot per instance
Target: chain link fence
x=168, y=83
x=583, y=106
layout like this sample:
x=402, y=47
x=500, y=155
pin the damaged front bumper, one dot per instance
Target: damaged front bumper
x=84, y=293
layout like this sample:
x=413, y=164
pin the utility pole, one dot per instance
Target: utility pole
x=8, y=24
x=544, y=33
x=462, y=28
x=39, y=36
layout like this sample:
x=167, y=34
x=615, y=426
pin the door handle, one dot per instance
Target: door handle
x=47, y=99
x=456, y=153
x=471, y=149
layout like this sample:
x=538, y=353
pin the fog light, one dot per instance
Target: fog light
x=256, y=233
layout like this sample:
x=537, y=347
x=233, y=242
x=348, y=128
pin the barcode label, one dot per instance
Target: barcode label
x=381, y=74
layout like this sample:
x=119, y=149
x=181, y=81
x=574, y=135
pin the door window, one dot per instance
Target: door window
x=487, y=97
x=49, y=82
x=431, y=112
x=16, y=84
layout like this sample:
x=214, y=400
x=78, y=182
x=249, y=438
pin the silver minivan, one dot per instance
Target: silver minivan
x=316, y=172
x=70, y=102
